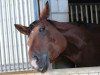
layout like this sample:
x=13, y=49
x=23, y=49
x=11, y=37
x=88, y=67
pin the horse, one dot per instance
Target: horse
x=49, y=40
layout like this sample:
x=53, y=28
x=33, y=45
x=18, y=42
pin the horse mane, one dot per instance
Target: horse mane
x=33, y=24
x=63, y=26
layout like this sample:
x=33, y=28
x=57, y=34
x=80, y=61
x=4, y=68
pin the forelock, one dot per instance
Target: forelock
x=33, y=24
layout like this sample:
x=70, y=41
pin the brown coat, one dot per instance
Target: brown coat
x=83, y=46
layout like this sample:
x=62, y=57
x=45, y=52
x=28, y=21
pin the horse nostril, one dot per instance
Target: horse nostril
x=36, y=57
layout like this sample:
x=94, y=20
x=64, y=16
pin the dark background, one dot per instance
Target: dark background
x=84, y=1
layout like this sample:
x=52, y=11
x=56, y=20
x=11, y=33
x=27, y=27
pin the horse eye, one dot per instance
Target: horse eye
x=42, y=29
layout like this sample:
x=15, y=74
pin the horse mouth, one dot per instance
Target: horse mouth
x=43, y=69
x=40, y=63
x=43, y=64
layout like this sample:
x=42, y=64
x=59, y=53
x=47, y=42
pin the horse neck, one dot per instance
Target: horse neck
x=61, y=26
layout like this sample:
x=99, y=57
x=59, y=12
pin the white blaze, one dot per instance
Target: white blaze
x=34, y=64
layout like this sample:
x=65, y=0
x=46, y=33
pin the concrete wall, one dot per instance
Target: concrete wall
x=71, y=71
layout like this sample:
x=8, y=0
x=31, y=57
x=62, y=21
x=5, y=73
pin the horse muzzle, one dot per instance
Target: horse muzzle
x=40, y=62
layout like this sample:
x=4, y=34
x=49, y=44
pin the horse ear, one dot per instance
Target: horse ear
x=23, y=29
x=45, y=12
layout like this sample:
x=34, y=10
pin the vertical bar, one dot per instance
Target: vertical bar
x=7, y=38
x=76, y=9
x=1, y=43
x=36, y=10
x=50, y=9
x=38, y=7
x=26, y=54
x=28, y=11
x=24, y=15
x=0, y=57
x=4, y=36
x=8, y=31
x=87, y=18
x=11, y=39
x=20, y=37
x=26, y=37
x=71, y=12
x=81, y=8
x=16, y=37
x=96, y=13
x=31, y=10
x=21, y=40
x=91, y=10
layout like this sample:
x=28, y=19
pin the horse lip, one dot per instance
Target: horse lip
x=43, y=69
x=45, y=62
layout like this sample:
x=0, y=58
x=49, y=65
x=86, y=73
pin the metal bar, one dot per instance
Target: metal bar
x=16, y=37
x=0, y=42
x=36, y=10
x=8, y=40
x=81, y=9
x=31, y=11
x=11, y=37
x=9, y=29
x=71, y=13
x=24, y=15
x=96, y=13
x=76, y=9
x=19, y=14
x=87, y=18
x=91, y=11
x=26, y=38
x=13, y=65
x=38, y=7
x=26, y=54
x=21, y=36
x=0, y=57
x=4, y=35
x=2, y=39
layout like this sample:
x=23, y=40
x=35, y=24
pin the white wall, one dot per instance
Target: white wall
x=58, y=9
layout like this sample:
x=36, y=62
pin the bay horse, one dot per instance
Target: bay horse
x=48, y=40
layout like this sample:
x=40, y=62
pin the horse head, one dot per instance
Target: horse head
x=45, y=42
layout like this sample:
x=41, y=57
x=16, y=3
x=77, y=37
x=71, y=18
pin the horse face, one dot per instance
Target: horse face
x=45, y=42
